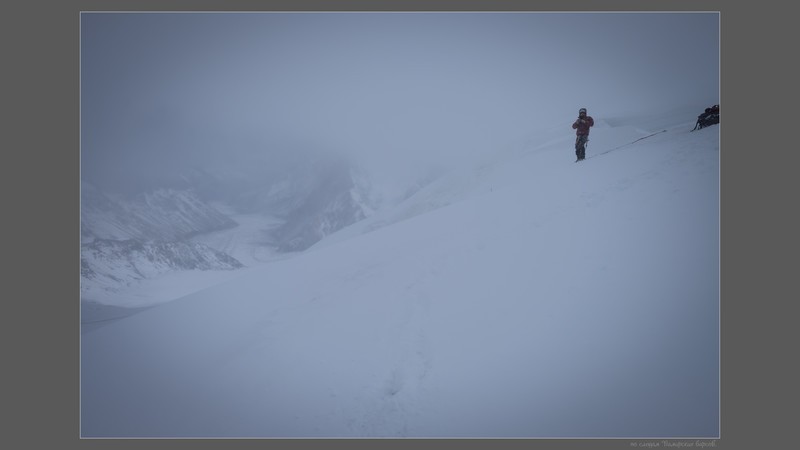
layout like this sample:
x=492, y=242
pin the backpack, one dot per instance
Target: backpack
x=709, y=117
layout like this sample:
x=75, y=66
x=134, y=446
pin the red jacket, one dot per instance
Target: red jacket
x=583, y=127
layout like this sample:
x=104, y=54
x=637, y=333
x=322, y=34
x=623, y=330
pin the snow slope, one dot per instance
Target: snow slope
x=525, y=296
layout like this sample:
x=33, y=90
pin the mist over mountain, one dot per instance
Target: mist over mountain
x=336, y=199
x=298, y=202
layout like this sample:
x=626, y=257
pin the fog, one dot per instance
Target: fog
x=395, y=92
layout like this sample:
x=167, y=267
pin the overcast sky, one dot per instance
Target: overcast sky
x=163, y=90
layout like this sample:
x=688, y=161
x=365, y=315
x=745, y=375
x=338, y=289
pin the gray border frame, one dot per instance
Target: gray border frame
x=42, y=106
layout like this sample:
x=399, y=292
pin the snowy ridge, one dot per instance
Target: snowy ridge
x=108, y=266
x=127, y=240
x=527, y=296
